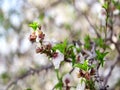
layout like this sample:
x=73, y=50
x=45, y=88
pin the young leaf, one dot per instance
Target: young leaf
x=34, y=25
x=100, y=42
x=83, y=66
x=71, y=54
x=58, y=85
x=78, y=65
x=100, y=56
x=61, y=47
x=90, y=84
x=105, y=5
x=82, y=80
x=73, y=57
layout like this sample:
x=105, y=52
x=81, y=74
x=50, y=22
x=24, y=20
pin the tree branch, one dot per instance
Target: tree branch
x=111, y=69
x=28, y=73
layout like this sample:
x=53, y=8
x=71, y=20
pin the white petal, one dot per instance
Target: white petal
x=67, y=76
x=81, y=86
x=56, y=61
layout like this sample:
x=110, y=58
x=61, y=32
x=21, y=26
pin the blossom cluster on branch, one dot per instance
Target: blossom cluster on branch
x=85, y=57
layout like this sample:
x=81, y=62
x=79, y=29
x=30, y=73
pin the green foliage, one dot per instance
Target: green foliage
x=71, y=54
x=100, y=56
x=116, y=4
x=82, y=80
x=34, y=25
x=87, y=42
x=61, y=47
x=59, y=85
x=90, y=84
x=105, y=5
x=100, y=42
x=73, y=58
x=83, y=66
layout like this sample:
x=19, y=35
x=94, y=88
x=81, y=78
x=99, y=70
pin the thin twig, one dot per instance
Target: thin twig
x=98, y=35
x=81, y=13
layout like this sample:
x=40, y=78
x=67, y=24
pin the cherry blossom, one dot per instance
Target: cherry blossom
x=67, y=78
x=58, y=57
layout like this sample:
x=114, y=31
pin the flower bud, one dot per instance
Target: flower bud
x=39, y=27
x=81, y=74
x=39, y=50
x=33, y=37
x=92, y=72
x=41, y=36
x=87, y=76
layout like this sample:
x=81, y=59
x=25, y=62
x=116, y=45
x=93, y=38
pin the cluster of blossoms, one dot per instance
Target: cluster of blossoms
x=38, y=36
x=83, y=59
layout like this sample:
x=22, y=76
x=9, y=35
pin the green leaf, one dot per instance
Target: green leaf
x=71, y=54
x=58, y=85
x=105, y=5
x=99, y=42
x=79, y=65
x=70, y=47
x=83, y=80
x=78, y=50
x=61, y=47
x=100, y=56
x=34, y=25
x=83, y=66
x=116, y=4
x=90, y=84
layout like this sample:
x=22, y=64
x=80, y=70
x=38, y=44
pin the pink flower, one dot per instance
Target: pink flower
x=58, y=57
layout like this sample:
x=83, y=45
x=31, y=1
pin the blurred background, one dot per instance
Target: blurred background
x=60, y=19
